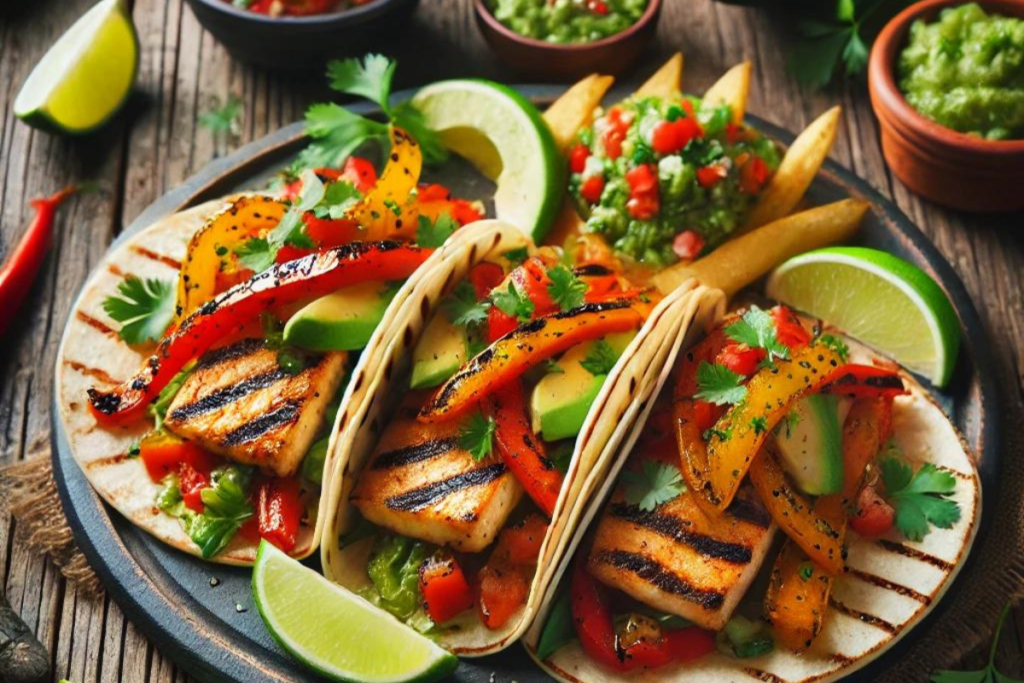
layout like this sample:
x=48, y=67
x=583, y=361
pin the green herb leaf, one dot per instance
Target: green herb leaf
x=990, y=674
x=756, y=329
x=477, y=435
x=223, y=118
x=559, y=629
x=719, y=385
x=560, y=454
x=600, y=359
x=553, y=368
x=566, y=289
x=517, y=256
x=336, y=133
x=759, y=424
x=158, y=408
x=410, y=119
x=370, y=78
x=656, y=483
x=921, y=498
x=339, y=197
x=256, y=254
x=434, y=233
x=143, y=307
x=512, y=303
x=225, y=508
x=462, y=308
x=836, y=344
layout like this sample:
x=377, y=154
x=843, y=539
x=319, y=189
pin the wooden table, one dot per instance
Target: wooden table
x=156, y=143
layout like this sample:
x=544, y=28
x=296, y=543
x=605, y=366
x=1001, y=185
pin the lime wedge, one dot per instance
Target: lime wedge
x=336, y=633
x=86, y=76
x=501, y=133
x=878, y=299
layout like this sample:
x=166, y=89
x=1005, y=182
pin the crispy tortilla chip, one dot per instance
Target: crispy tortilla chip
x=667, y=81
x=575, y=108
x=732, y=89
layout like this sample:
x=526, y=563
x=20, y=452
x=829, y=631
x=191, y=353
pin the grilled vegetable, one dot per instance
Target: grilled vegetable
x=505, y=579
x=446, y=593
x=385, y=212
x=23, y=659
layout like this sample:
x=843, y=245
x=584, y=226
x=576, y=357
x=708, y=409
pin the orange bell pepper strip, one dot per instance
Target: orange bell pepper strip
x=387, y=212
x=205, y=257
x=306, y=278
x=738, y=435
x=526, y=347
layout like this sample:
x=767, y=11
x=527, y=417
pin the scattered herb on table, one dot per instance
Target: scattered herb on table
x=990, y=674
x=223, y=118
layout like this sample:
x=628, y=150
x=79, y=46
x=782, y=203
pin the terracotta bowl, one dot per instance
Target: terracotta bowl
x=950, y=168
x=544, y=61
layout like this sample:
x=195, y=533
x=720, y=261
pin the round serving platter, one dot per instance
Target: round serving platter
x=202, y=615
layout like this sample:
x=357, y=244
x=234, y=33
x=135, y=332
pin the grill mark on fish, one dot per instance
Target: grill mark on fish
x=415, y=453
x=231, y=352
x=96, y=324
x=863, y=617
x=914, y=554
x=656, y=574
x=889, y=585
x=159, y=258
x=420, y=498
x=96, y=373
x=254, y=429
x=761, y=675
x=215, y=400
x=674, y=529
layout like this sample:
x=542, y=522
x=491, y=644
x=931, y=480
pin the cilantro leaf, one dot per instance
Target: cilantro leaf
x=601, y=358
x=339, y=197
x=462, y=308
x=517, y=256
x=512, y=303
x=434, y=233
x=756, y=329
x=477, y=435
x=336, y=133
x=718, y=384
x=920, y=498
x=410, y=119
x=566, y=289
x=370, y=78
x=255, y=254
x=836, y=344
x=990, y=674
x=143, y=307
x=223, y=118
x=656, y=483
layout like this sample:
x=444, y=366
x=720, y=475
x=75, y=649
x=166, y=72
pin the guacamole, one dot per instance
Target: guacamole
x=663, y=180
x=966, y=72
x=568, y=21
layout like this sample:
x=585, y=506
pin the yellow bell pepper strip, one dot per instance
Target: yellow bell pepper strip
x=286, y=283
x=205, y=258
x=527, y=346
x=738, y=435
x=387, y=212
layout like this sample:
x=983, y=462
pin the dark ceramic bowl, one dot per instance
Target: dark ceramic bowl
x=544, y=61
x=299, y=42
x=950, y=168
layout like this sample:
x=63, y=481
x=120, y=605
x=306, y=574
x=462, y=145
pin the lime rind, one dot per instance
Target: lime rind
x=358, y=629
x=924, y=295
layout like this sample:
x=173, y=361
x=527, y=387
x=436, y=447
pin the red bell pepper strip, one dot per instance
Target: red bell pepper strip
x=865, y=381
x=164, y=454
x=280, y=512
x=20, y=270
x=305, y=278
x=444, y=588
x=522, y=450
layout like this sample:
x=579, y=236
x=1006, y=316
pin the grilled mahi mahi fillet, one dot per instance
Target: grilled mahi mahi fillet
x=238, y=402
x=421, y=484
x=679, y=560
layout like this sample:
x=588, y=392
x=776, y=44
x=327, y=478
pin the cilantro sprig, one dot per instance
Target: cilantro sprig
x=756, y=329
x=433, y=233
x=566, y=289
x=601, y=358
x=477, y=435
x=719, y=385
x=462, y=308
x=143, y=307
x=990, y=674
x=512, y=302
x=223, y=118
x=654, y=484
x=921, y=498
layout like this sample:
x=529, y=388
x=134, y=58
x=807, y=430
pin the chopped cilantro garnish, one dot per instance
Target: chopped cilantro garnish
x=756, y=329
x=477, y=435
x=566, y=289
x=656, y=483
x=806, y=571
x=462, y=308
x=920, y=498
x=836, y=344
x=434, y=233
x=143, y=307
x=718, y=384
x=511, y=302
x=255, y=254
x=759, y=424
x=601, y=358
x=339, y=197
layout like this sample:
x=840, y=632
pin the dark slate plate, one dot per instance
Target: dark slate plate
x=202, y=615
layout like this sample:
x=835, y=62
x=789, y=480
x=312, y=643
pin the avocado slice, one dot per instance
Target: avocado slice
x=809, y=442
x=441, y=351
x=561, y=400
x=341, y=321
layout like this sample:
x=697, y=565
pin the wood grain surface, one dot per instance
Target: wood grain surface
x=157, y=142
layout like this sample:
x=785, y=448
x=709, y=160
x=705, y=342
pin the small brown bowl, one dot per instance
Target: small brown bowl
x=546, y=61
x=950, y=168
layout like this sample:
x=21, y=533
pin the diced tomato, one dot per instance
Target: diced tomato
x=615, y=132
x=709, y=176
x=191, y=483
x=280, y=512
x=753, y=175
x=788, y=328
x=669, y=137
x=591, y=189
x=643, y=207
x=464, y=212
x=740, y=358
x=706, y=415
x=444, y=588
x=642, y=179
x=292, y=189
x=531, y=278
x=163, y=454
x=484, y=277
x=578, y=156
x=688, y=244
x=433, y=193
x=732, y=133
x=598, y=7
x=329, y=233
x=502, y=592
x=874, y=516
x=360, y=172
x=499, y=323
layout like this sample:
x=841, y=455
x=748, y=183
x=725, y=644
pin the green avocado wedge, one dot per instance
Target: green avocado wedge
x=341, y=321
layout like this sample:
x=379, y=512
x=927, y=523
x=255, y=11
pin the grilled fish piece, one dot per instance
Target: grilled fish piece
x=420, y=483
x=239, y=403
x=679, y=560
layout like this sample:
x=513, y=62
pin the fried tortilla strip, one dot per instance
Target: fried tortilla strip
x=666, y=82
x=732, y=89
x=575, y=108
x=737, y=263
x=797, y=171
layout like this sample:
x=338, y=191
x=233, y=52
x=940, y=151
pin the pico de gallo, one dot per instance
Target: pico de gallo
x=296, y=8
x=568, y=21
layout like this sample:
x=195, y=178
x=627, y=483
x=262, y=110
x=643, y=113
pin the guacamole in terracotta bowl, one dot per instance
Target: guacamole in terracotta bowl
x=568, y=21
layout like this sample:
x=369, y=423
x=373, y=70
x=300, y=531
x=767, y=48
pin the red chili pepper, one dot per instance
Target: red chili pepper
x=521, y=449
x=864, y=381
x=688, y=244
x=280, y=511
x=444, y=588
x=874, y=516
x=709, y=176
x=591, y=189
x=788, y=329
x=578, y=156
x=532, y=280
x=23, y=264
x=294, y=281
x=360, y=172
x=740, y=358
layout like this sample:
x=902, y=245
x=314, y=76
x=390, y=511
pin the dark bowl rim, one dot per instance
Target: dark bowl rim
x=354, y=14
x=887, y=96
x=484, y=13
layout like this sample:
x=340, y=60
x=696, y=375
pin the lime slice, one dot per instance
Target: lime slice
x=336, y=633
x=501, y=133
x=86, y=76
x=878, y=299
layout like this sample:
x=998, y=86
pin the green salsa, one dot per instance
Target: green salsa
x=568, y=21
x=667, y=179
x=966, y=72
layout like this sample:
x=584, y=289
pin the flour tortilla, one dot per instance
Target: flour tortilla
x=894, y=582
x=624, y=395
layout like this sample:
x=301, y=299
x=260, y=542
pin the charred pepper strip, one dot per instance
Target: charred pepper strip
x=303, y=278
x=739, y=434
x=387, y=212
x=525, y=347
